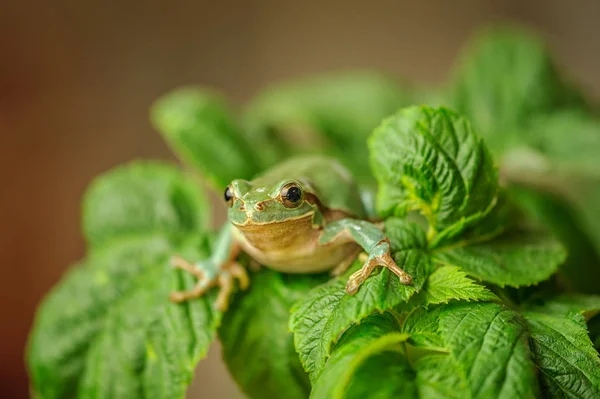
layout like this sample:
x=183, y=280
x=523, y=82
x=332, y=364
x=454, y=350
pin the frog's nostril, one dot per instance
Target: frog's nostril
x=258, y=206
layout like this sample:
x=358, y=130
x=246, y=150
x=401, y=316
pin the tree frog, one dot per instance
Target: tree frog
x=304, y=215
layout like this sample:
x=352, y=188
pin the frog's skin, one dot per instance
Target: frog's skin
x=302, y=216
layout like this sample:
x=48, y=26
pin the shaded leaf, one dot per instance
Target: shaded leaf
x=330, y=113
x=373, y=359
x=374, y=342
x=569, y=140
x=515, y=259
x=143, y=198
x=565, y=304
x=257, y=345
x=560, y=216
x=114, y=303
x=440, y=376
x=505, y=76
x=201, y=129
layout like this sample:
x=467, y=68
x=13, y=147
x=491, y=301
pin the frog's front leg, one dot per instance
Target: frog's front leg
x=373, y=242
x=221, y=269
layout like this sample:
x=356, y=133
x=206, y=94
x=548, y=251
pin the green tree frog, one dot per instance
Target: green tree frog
x=304, y=215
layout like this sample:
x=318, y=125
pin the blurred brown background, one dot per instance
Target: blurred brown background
x=76, y=80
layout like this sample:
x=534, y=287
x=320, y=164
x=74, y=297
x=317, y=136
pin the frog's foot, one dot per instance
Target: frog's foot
x=380, y=256
x=223, y=278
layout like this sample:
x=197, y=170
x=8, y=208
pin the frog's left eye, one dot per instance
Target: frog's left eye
x=228, y=196
x=291, y=195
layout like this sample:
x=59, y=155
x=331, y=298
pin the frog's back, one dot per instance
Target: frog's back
x=333, y=184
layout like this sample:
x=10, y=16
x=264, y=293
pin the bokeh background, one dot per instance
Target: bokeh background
x=77, y=78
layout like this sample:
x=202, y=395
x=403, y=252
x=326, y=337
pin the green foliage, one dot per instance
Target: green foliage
x=450, y=282
x=472, y=332
x=479, y=349
x=203, y=131
x=332, y=113
x=568, y=140
x=430, y=160
x=257, y=346
x=517, y=258
x=320, y=317
x=582, y=266
x=375, y=337
x=496, y=308
x=506, y=75
x=568, y=363
x=108, y=330
x=545, y=135
x=143, y=197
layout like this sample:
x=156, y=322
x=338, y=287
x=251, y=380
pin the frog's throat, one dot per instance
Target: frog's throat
x=278, y=236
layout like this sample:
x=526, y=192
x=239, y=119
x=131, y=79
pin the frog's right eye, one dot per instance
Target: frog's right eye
x=228, y=196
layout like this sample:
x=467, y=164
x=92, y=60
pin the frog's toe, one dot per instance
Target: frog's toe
x=177, y=262
x=239, y=273
x=177, y=297
x=358, y=278
x=196, y=292
x=386, y=260
x=352, y=286
x=225, y=289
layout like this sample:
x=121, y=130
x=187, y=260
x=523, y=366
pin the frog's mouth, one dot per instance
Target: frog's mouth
x=251, y=222
x=277, y=235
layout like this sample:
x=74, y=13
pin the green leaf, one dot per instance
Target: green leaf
x=449, y=282
x=490, y=342
x=568, y=363
x=201, y=129
x=422, y=326
x=594, y=329
x=586, y=199
x=117, y=303
x=257, y=345
x=350, y=372
x=569, y=140
x=565, y=304
x=374, y=360
x=326, y=311
x=505, y=76
x=404, y=235
x=440, y=377
x=519, y=258
x=331, y=113
x=557, y=214
x=429, y=160
x=142, y=198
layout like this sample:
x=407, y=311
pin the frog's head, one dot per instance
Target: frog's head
x=255, y=204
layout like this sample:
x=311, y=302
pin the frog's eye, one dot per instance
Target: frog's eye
x=228, y=196
x=291, y=195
